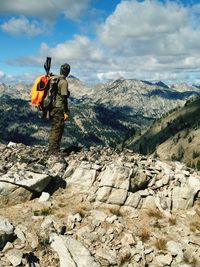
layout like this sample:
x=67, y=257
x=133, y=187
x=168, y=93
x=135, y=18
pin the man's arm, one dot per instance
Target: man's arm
x=64, y=93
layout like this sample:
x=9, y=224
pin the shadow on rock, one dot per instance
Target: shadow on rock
x=31, y=259
x=56, y=183
x=71, y=149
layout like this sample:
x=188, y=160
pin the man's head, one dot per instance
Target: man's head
x=65, y=69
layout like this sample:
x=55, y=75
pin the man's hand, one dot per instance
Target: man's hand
x=65, y=116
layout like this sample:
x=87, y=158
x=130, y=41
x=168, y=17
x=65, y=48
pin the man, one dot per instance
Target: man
x=59, y=111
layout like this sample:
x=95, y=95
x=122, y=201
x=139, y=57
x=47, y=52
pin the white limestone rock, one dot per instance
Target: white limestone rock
x=116, y=177
x=133, y=199
x=72, y=252
x=117, y=196
x=81, y=177
x=45, y=196
x=14, y=256
x=175, y=249
x=27, y=179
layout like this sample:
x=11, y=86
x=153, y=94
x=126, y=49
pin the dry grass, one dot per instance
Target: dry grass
x=144, y=234
x=195, y=225
x=126, y=258
x=155, y=213
x=157, y=224
x=173, y=220
x=62, y=205
x=161, y=243
x=115, y=211
x=82, y=209
x=43, y=212
x=192, y=260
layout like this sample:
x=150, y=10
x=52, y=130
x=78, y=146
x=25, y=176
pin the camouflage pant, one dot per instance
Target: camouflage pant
x=57, y=129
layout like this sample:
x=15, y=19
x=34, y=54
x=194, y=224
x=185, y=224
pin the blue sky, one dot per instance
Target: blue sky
x=101, y=39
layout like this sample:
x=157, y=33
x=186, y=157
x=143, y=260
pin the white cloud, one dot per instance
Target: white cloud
x=2, y=74
x=26, y=77
x=140, y=20
x=144, y=40
x=22, y=26
x=80, y=51
x=45, y=9
x=154, y=38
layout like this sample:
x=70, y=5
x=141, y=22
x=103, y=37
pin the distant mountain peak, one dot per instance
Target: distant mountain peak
x=162, y=84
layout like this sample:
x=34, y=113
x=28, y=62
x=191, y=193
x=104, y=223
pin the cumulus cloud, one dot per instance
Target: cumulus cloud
x=26, y=77
x=141, y=20
x=80, y=51
x=46, y=9
x=154, y=37
x=21, y=26
x=144, y=40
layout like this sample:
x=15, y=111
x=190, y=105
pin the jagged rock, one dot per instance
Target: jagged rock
x=139, y=181
x=133, y=199
x=103, y=193
x=98, y=215
x=8, y=246
x=14, y=256
x=45, y=196
x=6, y=231
x=20, y=231
x=57, y=165
x=26, y=179
x=106, y=256
x=18, y=195
x=51, y=224
x=64, y=255
x=115, y=177
x=176, y=250
x=127, y=239
x=71, y=252
x=149, y=202
x=80, y=176
x=182, y=197
x=116, y=226
x=162, y=260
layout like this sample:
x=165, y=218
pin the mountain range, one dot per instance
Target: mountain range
x=105, y=114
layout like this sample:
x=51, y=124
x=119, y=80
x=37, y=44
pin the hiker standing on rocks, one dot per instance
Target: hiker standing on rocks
x=59, y=112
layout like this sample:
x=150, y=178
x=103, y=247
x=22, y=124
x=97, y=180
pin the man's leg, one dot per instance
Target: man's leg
x=57, y=129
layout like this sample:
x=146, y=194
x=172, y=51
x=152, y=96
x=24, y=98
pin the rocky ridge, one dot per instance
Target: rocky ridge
x=96, y=207
x=130, y=96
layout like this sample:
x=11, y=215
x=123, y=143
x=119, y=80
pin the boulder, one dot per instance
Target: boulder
x=6, y=231
x=71, y=252
x=26, y=179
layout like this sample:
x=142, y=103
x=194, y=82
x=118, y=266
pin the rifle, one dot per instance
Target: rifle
x=47, y=65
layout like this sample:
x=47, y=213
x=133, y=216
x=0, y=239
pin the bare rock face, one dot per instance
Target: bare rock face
x=96, y=207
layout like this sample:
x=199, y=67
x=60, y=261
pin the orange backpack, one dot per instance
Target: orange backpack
x=39, y=89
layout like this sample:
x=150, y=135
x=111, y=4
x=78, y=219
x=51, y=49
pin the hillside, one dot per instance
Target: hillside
x=175, y=136
x=88, y=124
x=96, y=207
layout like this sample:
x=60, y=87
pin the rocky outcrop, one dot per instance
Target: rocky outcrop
x=98, y=207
